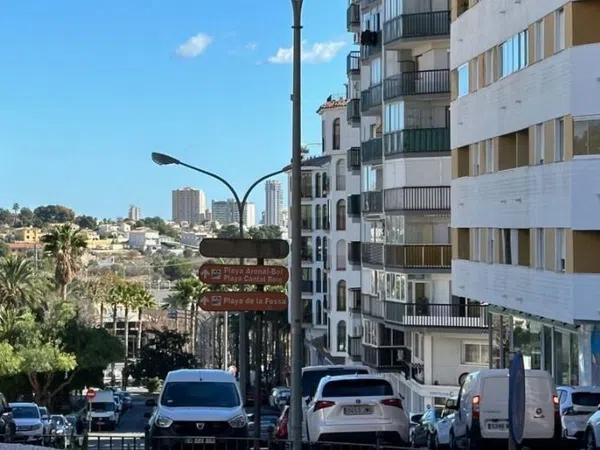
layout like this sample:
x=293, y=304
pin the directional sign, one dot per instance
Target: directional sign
x=516, y=398
x=237, y=274
x=90, y=394
x=244, y=301
x=244, y=248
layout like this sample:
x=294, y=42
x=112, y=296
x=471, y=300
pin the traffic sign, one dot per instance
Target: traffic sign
x=516, y=398
x=244, y=301
x=90, y=394
x=238, y=274
x=244, y=248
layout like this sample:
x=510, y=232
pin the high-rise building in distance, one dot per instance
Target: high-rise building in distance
x=135, y=213
x=226, y=212
x=274, y=202
x=187, y=205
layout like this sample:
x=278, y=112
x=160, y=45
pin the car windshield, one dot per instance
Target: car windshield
x=311, y=378
x=25, y=412
x=200, y=394
x=586, y=398
x=57, y=420
x=357, y=388
x=43, y=411
x=103, y=406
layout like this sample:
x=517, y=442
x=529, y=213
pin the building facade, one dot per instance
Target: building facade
x=144, y=239
x=226, y=212
x=525, y=217
x=273, y=203
x=188, y=205
x=134, y=213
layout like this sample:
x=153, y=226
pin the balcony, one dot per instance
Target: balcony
x=410, y=26
x=353, y=17
x=306, y=224
x=372, y=202
x=371, y=98
x=355, y=301
x=370, y=44
x=354, y=253
x=353, y=63
x=417, y=140
x=417, y=83
x=386, y=358
x=307, y=286
x=424, y=198
x=372, y=253
x=436, y=315
x=372, y=306
x=354, y=205
x=353, y=112
x=306, y=254
x=421, y=257
x=371, y=151
x=355, y=347
x=365, y=3
x=353, y=158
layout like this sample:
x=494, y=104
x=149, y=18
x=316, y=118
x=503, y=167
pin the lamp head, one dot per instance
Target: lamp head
x=163, y=160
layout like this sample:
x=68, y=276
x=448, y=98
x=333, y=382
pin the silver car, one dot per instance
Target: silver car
x=28, y=421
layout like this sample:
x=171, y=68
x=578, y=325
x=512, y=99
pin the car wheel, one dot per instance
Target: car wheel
x=590, y=440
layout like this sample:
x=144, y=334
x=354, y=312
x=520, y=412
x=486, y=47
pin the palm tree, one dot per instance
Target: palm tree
x=145, y=300
x=187, y=296
x=66, y=244
x=18, y=285
x=16, y=207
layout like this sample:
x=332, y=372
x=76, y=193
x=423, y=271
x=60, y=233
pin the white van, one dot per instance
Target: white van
x=482, y=409
x=103, y=411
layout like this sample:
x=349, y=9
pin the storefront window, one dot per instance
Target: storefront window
x=527, y=337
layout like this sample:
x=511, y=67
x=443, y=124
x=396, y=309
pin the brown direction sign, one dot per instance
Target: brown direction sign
x=244, y=248
x=244, y=301
x=238, y=274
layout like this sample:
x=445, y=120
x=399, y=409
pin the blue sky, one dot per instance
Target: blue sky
x=89, y=89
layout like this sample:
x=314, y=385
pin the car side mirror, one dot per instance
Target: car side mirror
x=151, y=402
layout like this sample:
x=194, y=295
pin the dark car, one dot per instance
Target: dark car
x=126, y=400
x=268, y=422
x=7, y=424
x=424, y=432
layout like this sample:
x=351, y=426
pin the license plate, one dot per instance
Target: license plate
x=200, y=440
x=497, y=426
x=357, y=410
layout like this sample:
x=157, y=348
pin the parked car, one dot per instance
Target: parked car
x=423, y=434
x=413, y=421
x=268, y=422
x=48, y=427
x=577, y=404
x=118, y=402
x=441, y=438
x=62, y=431
x=7, y=423
x=356, y=407
x=280, y=396
x=126, y=400
x=482, y=409
x=196, y=402
x=28, y=422
x=103, y=411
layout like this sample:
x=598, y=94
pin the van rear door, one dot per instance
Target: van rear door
x=539, y=407
x=493, y=417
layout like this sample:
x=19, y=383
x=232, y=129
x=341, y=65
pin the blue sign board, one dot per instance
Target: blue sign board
x=516, y=398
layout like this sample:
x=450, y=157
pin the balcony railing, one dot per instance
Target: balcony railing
x=372, y=306
x=435, y=23
x=423, y=198
x=354, y=252
x=353, y=111
x=372, y=202
x=353, y=63
x=354, y=205
x=355, y=347
x=353, y=158
x=371, y=151
x=306, y=190
x=306, y=254
x=384, y=358
x=434, y=315
x=418, y=256
x=355, y=301
x=370, y=44
x=417, y=140
x=417, y=83
x=353, y=17
x=372, y=253
x=370, y=98
x=307, y=286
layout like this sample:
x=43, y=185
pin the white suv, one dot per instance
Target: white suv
x=28, y=421
x=577, y=404
x=354, y=407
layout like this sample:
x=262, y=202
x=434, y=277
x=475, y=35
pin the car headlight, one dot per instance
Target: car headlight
x=163, y=422
x=238, y=421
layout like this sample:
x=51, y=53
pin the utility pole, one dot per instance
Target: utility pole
x=296, y=265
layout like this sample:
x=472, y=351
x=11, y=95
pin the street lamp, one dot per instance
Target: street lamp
x=165, y=160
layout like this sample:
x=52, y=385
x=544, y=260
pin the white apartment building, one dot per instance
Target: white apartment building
x=526, y=178
x=226, y=212
x=134, y=213
x=273, y=203
x=413, y=329
x=188, y=205
x=144, y=239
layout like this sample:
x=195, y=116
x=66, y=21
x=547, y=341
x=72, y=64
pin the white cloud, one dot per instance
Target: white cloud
x=194, y=46
x=251, y=46
x=319, y=52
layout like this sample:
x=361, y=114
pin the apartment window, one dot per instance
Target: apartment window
x=489, y=156
x=559, y=138
x=394, y=117
x=489, y=67
x=463, y=80
x=318, y=219
x=559, y=32
x=539, y=144
x=340, y=215
x=506, y=246
x=306, y=249
x=318, y=190
x=319, y=247
x=306, y=185
x=475, y=353
x=586, y=137
x=318, y=281
x=340, y=304
x=490, y=246
x=341, y=336
x=376, y=71
x=513, y=53
x=539, y=249
x=476, y=238
x=340, y=175
x=538, y=43
x=561, y=250
x=336, y=134
x=318, y=313
x=306, y=217
x=341, y=255
x=325, y=217
x=475, y=159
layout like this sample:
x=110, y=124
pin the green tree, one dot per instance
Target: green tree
x=18, y=286
x=4, y=250
x=177, y=268
x=158, y=224
x=229, y=232
x=66, y=244
x=265, y=232
x=15, y=209
x=161, y=354
x=188, y=293
x=26, y=217
x=5, y=216
x=53, y=214
x=86, y=222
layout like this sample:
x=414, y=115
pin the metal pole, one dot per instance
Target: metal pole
x=243, y=325
x=258, y=368
x=296, y=262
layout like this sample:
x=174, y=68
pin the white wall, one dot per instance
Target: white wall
x=447, y=357
x=426, y=171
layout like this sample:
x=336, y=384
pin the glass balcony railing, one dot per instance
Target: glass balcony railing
x=372, y=202
x=371, y=98
x=417, y=140
x=372, y=253
x=353, y=17
x=421, y=82
x=353, y=63
x=432, y=256
x=371, y=151
x=353, y=111
x=353, y=158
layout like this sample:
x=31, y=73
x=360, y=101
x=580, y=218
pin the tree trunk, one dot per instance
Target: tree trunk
x=101, y=314
x=193, y=336
x=138, y=351
x=63, y=291
x=114, y=316
x=124, y=374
